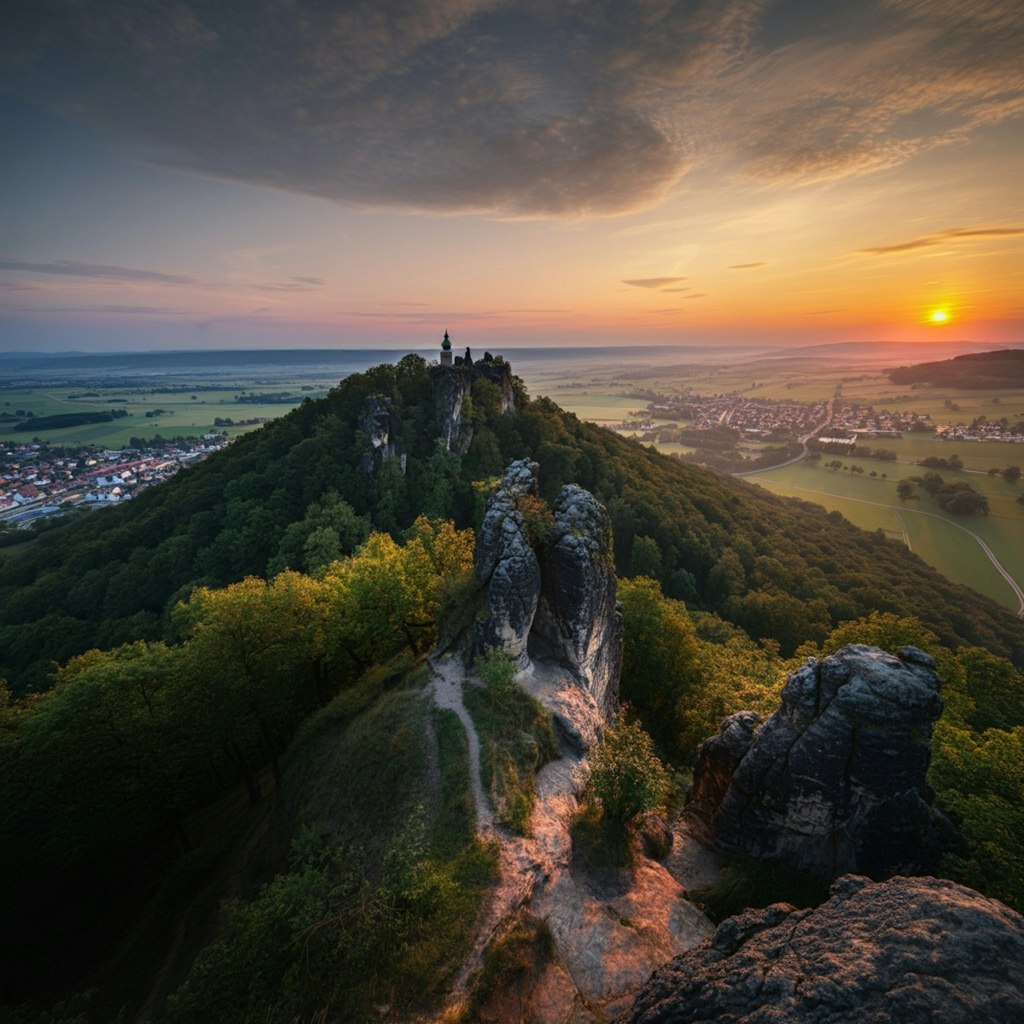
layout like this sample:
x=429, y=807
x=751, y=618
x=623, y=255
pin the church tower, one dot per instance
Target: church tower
x=446, y=351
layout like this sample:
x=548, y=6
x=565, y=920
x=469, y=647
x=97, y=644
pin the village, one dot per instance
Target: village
x=769, y=419
x=37, y=480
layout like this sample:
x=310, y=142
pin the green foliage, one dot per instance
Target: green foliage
x=626, y=778
x=329, y=530
x=538, y=518
x=517, y=738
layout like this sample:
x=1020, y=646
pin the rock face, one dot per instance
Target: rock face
x=905, y=951
x=507, y=566
x=577, y=616
x=453, y=384
x=718, y=759
x=381, y=424
x=834, y=781
x=559, y=595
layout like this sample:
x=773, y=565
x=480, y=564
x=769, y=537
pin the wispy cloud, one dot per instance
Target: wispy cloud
x=72, y=268
x=942, y=237
x=317, y=281
x=746, y=266
x=652, y=282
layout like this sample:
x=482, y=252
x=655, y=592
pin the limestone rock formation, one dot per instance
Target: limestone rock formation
x=507, y=566
x=557, y=594
x=577, y=616
x=380, y=422
x=834, y=781
x=453, y=384
x=905, y=951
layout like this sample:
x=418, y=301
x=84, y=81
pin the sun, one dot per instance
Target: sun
x=939, y=316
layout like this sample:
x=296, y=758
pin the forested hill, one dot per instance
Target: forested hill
x=1002, y=369
x=302, y=490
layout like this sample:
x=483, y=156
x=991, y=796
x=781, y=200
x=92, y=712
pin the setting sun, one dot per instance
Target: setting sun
x=939, y=316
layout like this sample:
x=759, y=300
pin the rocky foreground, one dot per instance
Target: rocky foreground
x=905, y=951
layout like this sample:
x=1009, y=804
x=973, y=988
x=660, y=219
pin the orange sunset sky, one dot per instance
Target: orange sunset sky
x=295, y=173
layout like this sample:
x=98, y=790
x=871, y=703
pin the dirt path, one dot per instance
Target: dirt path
x=607, y=942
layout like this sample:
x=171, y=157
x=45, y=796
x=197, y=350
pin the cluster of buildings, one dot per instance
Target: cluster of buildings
x=755, y=417
x=1002, y=431
x=861, y=421
x=36, y=481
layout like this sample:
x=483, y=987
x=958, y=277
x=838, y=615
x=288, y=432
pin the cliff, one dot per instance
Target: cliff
x=453, y=385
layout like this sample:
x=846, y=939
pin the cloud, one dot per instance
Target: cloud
x=72, y=268
x=942, y=237
x=653, y=282
x=519, y=108
x=746, y=266
x=317, y=281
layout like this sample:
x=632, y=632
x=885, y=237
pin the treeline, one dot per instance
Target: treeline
x=69, y=419
x=778, y=567
x=1002, y=369
x=99, y=775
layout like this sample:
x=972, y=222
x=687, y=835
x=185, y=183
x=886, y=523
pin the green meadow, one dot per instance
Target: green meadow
x=943, y=540
x=189, y=413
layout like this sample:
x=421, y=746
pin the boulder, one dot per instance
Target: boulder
x=834, y=781
x=507, y=567
x=578, y=619
x=904, y=951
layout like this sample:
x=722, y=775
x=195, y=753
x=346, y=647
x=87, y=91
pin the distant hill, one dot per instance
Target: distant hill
x=1001, y=369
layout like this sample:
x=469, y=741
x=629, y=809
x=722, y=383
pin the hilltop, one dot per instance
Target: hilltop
x=778, y=568
x=1002, y=369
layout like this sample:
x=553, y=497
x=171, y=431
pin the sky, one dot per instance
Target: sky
x=321, y=173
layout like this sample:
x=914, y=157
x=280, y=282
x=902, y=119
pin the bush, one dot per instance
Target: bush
x=626, y=777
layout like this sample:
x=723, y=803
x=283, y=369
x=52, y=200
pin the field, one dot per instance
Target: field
x=186, y=413
x=945, y=541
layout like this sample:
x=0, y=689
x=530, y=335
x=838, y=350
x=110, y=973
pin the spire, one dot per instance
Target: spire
x=446, y=344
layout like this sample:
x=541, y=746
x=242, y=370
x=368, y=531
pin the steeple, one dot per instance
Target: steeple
x=446, y=350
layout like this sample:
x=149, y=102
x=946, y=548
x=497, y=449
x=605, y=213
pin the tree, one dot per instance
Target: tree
x=645, y=559
x=661, y=665
x=1011, y=474
x=626, y=778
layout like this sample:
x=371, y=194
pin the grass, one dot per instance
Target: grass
x=872, y=503
x=512, y=961
x=516, y=738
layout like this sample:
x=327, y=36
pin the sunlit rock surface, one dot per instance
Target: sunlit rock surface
x=904, y=951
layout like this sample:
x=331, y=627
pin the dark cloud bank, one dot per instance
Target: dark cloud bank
x=529, y=108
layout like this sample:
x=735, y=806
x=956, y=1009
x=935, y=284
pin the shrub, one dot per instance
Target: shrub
x=626, y=777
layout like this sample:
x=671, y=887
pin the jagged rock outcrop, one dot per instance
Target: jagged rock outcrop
x=578, y=619
x=381, y=424
x=555, y=593
x=507, y=565
x=453, y=384
x=834, y=781
x=717, y=761
x=905, y=951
